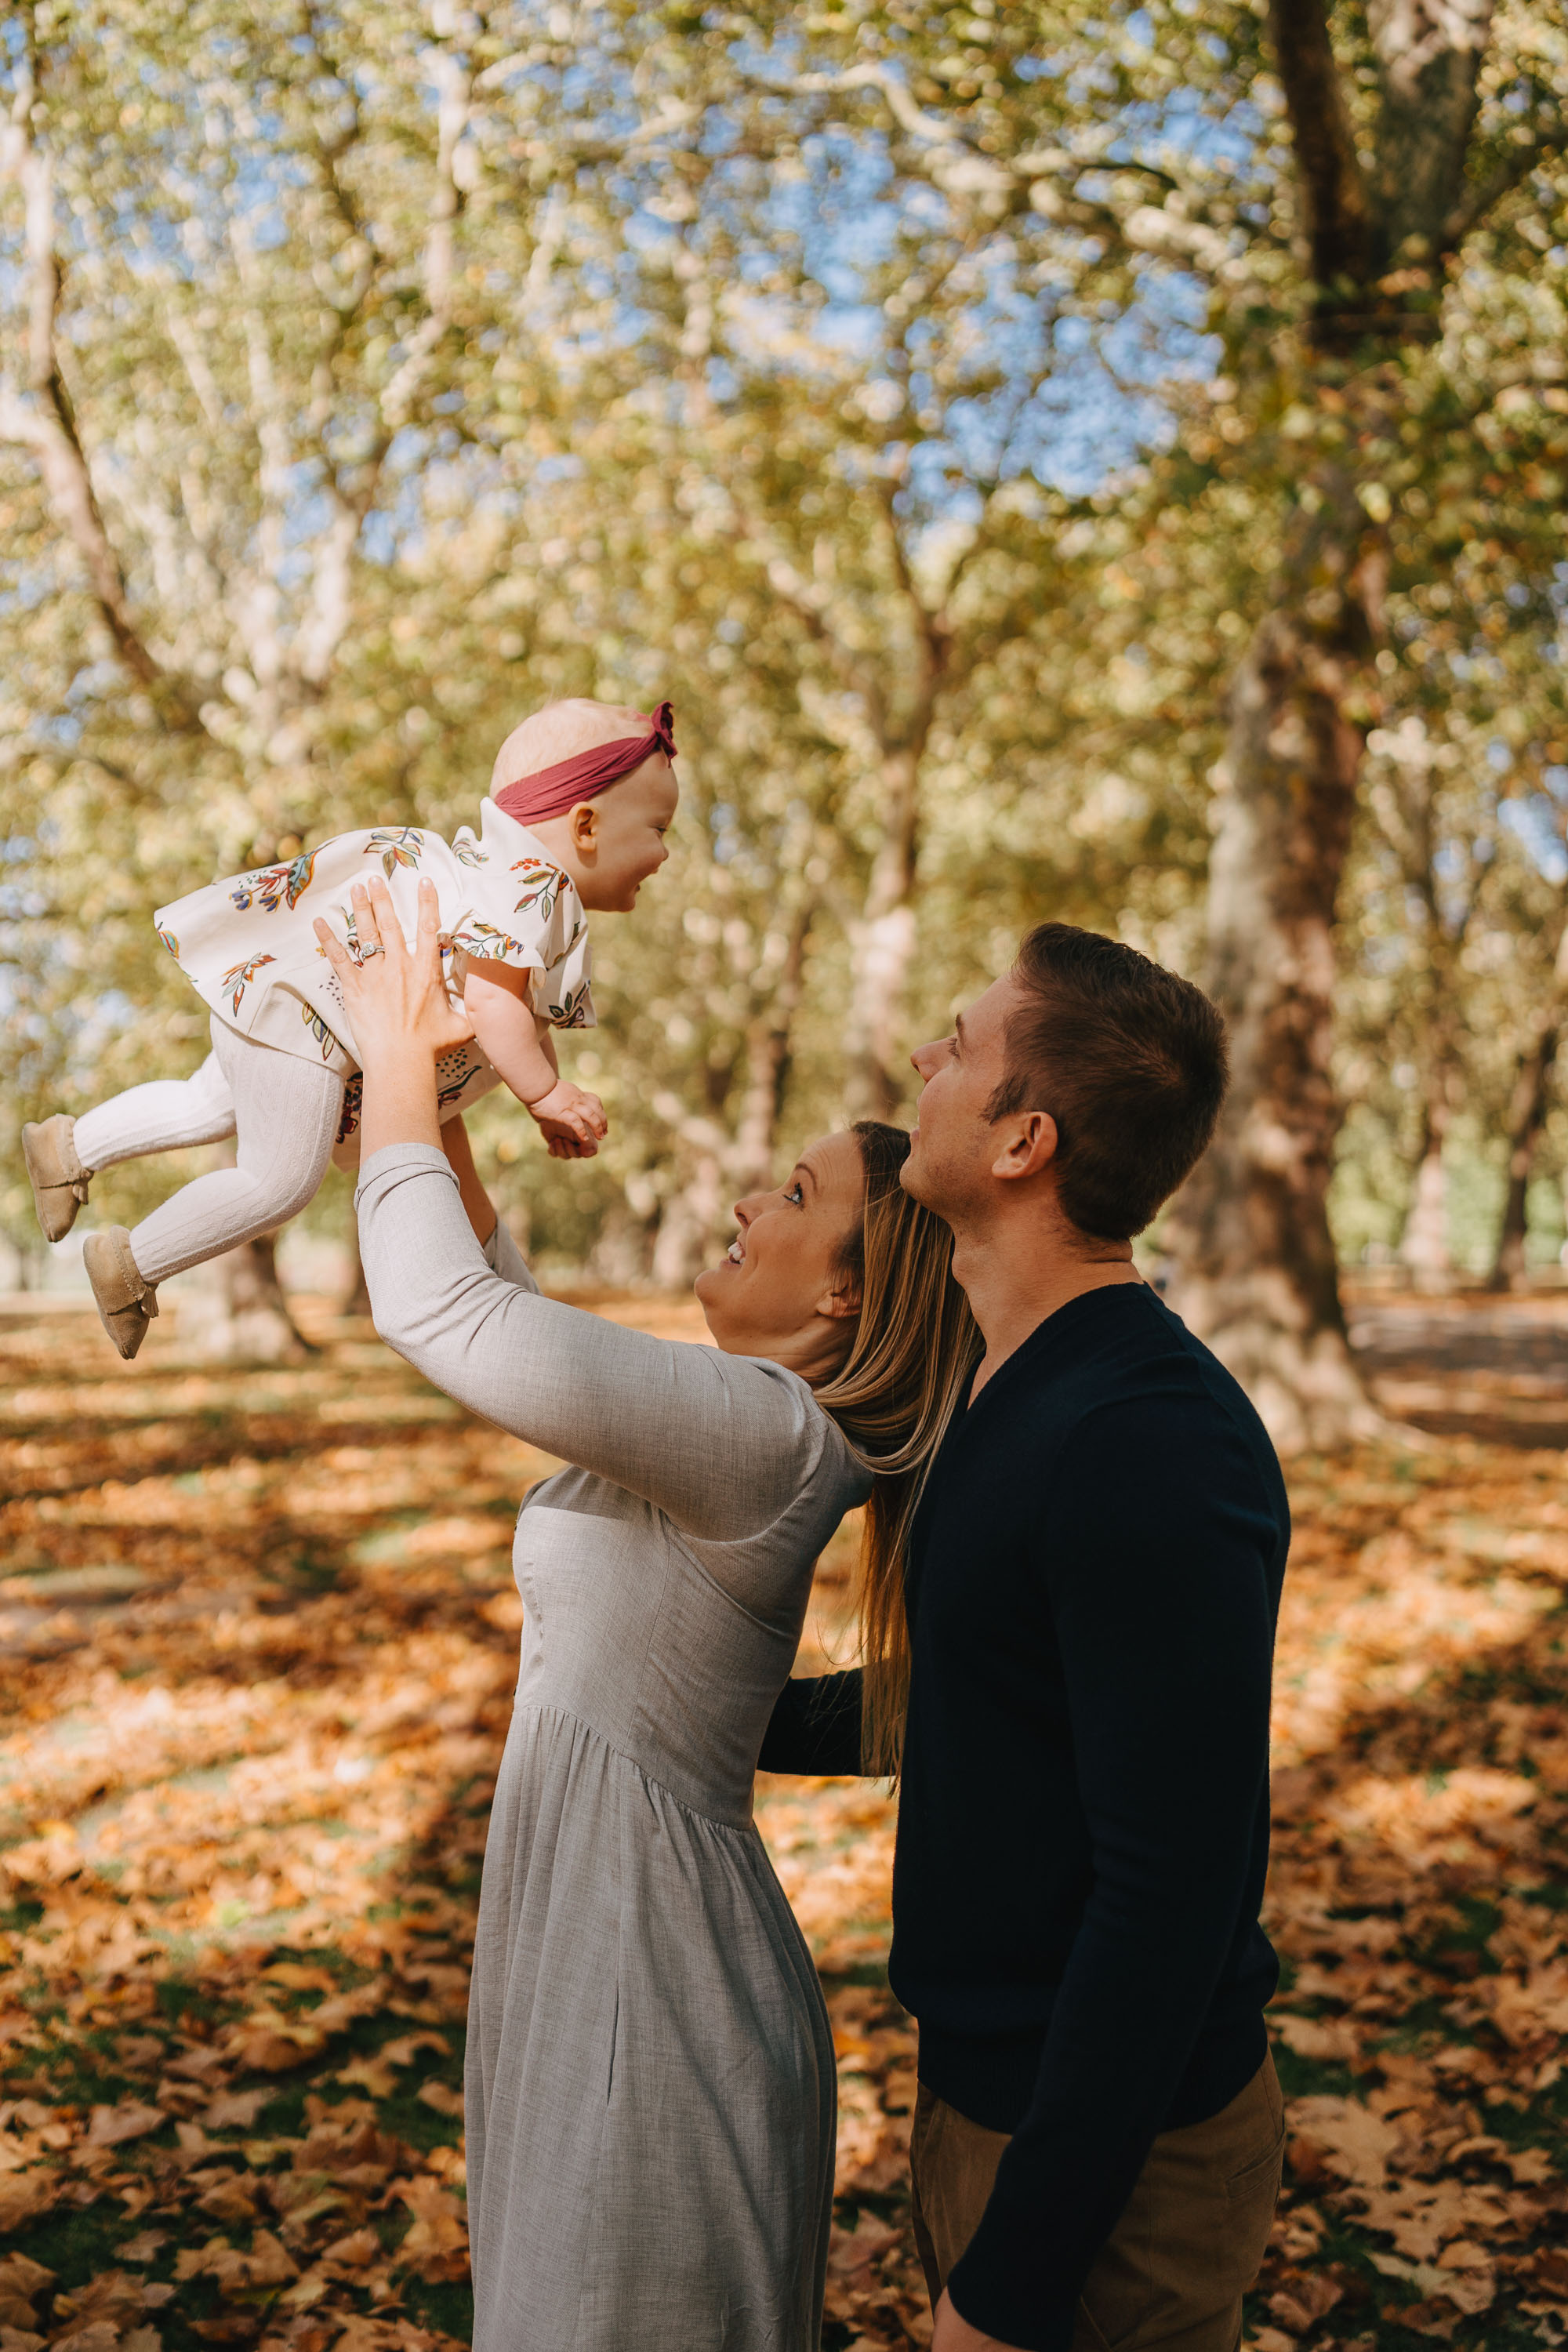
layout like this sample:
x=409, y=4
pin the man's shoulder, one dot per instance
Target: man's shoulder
x=1114, y=1346
x=1137, y=1379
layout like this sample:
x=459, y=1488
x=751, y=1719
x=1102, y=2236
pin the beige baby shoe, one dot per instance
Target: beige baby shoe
x=59, y=1180
x=126, y=1302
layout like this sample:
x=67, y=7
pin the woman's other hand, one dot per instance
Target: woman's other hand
x=402, y=1015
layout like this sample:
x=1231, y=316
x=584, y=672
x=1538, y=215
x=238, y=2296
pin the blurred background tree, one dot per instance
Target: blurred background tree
x=1099, y=462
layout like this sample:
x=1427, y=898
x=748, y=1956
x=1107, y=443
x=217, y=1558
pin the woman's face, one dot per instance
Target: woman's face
x=778, y=1292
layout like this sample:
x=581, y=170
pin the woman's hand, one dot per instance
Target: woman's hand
x=403, y=1018
x=394, y=998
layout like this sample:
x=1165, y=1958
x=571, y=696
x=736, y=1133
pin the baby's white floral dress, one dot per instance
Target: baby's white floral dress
x=248, y=945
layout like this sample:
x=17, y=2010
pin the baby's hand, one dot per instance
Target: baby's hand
x=570, y=1120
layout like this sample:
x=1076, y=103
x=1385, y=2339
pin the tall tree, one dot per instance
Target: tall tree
x=1400, y=171
x=1372, y=203
x=254, y=339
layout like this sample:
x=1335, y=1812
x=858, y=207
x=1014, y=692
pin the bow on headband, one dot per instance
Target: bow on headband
x=552, y=790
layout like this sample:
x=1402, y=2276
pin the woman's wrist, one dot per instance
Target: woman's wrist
x=403, y=1019
x=399, y=1103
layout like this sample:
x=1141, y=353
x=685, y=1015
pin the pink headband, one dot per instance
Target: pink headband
x=554, y=789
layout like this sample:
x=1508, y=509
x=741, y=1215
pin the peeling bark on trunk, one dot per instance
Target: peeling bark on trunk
x=1424, y=1244
x=882, y=948
x=721, y=1165
x=1423, y=1247
x=1256, y=1263
x=768, y=1045
x=687, y=1228
x=1257, y=1277
x=244, y=1317
x=1526, y=1117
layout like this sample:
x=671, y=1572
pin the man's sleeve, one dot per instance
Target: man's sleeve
x=815, y=1726
x=1160, y=1539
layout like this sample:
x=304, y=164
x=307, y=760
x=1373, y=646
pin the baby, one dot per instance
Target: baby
x=582, y=796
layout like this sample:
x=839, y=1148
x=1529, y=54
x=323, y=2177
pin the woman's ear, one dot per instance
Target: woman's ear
x=841, y=1300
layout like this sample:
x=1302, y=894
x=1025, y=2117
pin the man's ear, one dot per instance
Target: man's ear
x=1025, y=1144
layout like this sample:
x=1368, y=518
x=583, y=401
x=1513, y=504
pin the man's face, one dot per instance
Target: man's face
x=954, y=1144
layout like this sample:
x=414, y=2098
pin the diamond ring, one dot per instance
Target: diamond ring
x=374, y=949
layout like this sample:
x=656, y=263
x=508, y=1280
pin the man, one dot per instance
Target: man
x=1092, y=1585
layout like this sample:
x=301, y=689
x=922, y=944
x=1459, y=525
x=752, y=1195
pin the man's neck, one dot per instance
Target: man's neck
x=1017, y=1271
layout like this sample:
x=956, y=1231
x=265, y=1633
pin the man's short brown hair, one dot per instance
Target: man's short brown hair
x=1130, y=1062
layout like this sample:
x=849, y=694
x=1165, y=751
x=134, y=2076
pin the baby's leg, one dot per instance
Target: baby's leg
x=165, y=1116
x=286, y=1113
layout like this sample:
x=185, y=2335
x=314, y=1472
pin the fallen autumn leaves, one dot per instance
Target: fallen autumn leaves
x=257, y=1645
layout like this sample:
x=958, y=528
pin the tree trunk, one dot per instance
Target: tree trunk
x=1423, y=1247
x=690, y=1222
x=1424, y=1244
x=882, y=948
x=241, y=1316
x=1526, y=1117
x=721, y=1164
x=768, y=1043
x=1256, y=1274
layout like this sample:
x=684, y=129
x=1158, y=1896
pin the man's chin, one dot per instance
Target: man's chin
x=913, y=1174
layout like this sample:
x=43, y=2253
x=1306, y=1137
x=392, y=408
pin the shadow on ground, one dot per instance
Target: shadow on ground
x=257, y=1638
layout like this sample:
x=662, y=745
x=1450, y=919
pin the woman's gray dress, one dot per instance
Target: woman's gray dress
x=650, y=2080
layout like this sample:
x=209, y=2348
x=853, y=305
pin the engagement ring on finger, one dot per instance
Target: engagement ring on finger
x=374, y=949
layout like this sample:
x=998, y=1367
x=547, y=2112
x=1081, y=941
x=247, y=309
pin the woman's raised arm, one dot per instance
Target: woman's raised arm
x=722, y=1444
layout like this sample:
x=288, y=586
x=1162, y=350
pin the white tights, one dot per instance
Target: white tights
x=283, y=1112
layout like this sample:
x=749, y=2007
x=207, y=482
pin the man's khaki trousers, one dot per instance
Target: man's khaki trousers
x=1184, y=2251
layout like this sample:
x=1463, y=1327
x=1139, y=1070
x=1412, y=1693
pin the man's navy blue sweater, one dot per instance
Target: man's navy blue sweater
x=1093, y=1581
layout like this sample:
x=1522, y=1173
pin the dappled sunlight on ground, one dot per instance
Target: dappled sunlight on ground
x=257, y=1638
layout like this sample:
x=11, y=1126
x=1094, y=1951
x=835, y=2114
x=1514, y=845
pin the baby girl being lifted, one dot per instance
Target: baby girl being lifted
x=582, y=796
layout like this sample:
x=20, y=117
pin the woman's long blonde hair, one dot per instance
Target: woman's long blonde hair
x=914, y=1350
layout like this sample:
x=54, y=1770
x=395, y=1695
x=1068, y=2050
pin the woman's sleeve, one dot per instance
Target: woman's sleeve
x=722, y=1444
x=502, y=1256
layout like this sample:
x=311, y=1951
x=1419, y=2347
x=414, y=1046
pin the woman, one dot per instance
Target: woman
x=650, y=2081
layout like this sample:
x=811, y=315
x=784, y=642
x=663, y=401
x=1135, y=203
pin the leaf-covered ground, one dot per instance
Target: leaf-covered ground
x=257, y=1646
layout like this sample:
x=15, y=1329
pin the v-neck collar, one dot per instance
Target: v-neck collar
x=1053, y=1330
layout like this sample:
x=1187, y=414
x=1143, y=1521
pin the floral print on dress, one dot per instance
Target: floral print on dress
x=487, y=941
x=240, y=976
x=353, y=1095
x=573, y=1012
x=403, y=847
x=272, y=887
x=542, y=886
x=317, y=1029
x=290, y=997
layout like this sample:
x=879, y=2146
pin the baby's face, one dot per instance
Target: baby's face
x=628, y=841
